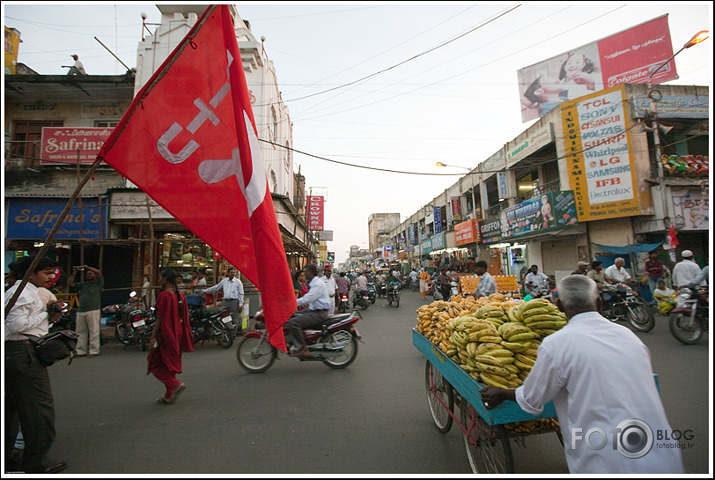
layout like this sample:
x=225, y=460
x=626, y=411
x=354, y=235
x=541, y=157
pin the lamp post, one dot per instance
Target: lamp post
x=697, y=38
x=471, y=181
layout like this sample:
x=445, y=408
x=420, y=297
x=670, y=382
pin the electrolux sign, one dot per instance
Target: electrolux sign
x=33, y=218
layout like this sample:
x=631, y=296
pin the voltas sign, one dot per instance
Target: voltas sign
x=315, y=212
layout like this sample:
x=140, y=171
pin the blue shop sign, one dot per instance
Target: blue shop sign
x=33, y=218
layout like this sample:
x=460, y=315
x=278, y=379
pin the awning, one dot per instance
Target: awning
x=627, y=250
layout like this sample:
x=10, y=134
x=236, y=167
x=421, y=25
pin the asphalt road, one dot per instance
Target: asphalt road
x=305, y=418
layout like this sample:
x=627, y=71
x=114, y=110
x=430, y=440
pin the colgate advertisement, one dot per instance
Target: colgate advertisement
x=625, y=57
x=315, y=212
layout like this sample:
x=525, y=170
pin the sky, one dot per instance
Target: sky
x=441, y=87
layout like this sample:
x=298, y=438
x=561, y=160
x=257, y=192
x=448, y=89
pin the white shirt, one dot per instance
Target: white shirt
x=599, y=374
x=232, y=289
x=28, y=315
x=330, y=285
x=414, y=275
x=361, y=283
x=538, y=279
x=617, y=274
x=685, y=272
x=317, y=297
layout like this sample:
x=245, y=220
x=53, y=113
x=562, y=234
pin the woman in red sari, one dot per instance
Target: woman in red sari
x=171, y=336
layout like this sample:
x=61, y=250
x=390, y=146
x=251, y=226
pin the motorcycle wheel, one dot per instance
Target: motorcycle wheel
x=255, y=355
x=122, y=334
x=225, y=337
x=641, y=317
x=372, y=300
x=349, y=355
x=683, y=332
x=389, y=299
x=143, y=342
x=397, y=301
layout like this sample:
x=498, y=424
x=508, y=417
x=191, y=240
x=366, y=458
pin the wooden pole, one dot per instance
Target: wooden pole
x=51, y=235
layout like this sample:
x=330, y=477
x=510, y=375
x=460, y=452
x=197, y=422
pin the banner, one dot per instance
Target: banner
x=597, y=141
x=466, y=232
x=456, y=203
x=625, y=57
x=490, y=230
x=65, y=145
x=33, y=218
x=546, y=212
x=189, y=141
x=505, y=283
x=437, y=220
x=315, y=212
x=412, y=234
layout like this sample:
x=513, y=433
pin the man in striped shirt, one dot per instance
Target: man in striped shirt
x=487, y=284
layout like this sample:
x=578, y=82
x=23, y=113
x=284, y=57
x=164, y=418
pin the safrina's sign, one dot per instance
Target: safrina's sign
x=33, y=218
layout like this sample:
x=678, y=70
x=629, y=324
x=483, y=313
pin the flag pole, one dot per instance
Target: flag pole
x=51, y=235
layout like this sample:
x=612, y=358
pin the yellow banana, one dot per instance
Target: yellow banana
x=523, y=366
x=498, y=351
x=486, y=368
x=547, y=324
x=493, y=383
x=512, y=368
x=489, y=360
x=491, y=339
x=485, y=347
x=514, y=346
x=520, y=337
x=524, y=359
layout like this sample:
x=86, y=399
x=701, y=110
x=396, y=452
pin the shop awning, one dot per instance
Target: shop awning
x=629, y=249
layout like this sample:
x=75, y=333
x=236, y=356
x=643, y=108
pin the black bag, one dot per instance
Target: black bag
x=56, y=346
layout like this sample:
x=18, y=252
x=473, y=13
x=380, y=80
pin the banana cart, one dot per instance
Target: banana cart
x=488, y=434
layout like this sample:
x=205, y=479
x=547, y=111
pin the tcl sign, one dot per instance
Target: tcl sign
x=315, y=212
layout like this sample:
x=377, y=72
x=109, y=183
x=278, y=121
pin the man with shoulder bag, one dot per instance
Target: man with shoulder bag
x=28, y=393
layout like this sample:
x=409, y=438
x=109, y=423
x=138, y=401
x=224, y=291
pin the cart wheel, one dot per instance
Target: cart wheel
x=440, y=398
x=484, y=452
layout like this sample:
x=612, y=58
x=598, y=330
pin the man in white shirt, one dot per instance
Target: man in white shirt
x=600, y=378
x=318, y=301
x=28, y=393
x=535, y=281
x=332, y=287
x=232, y=295
x=360, y=286
x=77, y=68
x=685, y=271
x=616, y=273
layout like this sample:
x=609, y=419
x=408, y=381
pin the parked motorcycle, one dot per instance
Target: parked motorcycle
x=208, y=324
x=393, y=294
x=435, y=292
x=343, y=303
x=334, y=342
x=620, y=302
x=133, y=326
x=691, y=317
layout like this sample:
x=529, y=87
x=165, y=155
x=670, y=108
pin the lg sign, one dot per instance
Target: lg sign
x=315, y=212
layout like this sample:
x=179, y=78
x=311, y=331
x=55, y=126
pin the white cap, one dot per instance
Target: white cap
x=686, y=254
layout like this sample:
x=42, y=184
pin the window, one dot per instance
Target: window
x=274, y=120
x=106, y=123
x=26, y=141
x=274, y=182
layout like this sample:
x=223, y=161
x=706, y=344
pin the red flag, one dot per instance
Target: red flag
x=672, y=237
x=189, y=141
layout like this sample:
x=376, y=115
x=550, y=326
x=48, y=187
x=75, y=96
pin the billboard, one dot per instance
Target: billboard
x=33, y=219
x=600, y=167
x=466, y=232
x=625, y=57
x=315, y=212
x=545, y=212
x=69, y=144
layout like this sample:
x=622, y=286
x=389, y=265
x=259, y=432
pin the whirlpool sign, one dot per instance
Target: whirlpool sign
x=33, y=218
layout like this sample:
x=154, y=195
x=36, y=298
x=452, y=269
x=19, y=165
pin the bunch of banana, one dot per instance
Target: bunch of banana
x=541, y=316
x=525, y=359
x=493, y=312
x=517, y=337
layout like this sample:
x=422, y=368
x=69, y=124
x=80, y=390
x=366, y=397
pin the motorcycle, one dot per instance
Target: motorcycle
x=333, y=342
x=435, y=292
x=691, y=317
x=620, y=302
x=393, y=294
x=210, y=324
x=371, y=292
x=133, y=326
x=343, y=303
x=361, y=299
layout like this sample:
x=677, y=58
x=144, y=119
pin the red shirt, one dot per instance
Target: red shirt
x=656, y=266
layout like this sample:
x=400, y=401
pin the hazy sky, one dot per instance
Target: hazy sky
x=457, y=104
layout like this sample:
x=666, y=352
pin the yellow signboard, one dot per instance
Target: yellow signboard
x=12, y=43
x=601, y=170
x=505, y=283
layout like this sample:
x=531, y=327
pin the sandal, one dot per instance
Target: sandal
x=163, y=400
x=178, y=391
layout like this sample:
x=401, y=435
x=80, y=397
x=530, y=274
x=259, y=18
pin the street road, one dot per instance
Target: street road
x=305, y=418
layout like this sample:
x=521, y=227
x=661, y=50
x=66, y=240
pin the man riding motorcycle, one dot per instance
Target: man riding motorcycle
x=318, y=301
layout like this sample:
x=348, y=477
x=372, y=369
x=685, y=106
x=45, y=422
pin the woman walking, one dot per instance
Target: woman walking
x=171, y=336
x=424, y=282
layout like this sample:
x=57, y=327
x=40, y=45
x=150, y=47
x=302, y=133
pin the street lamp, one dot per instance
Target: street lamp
x=697, y=38
x=471, y=181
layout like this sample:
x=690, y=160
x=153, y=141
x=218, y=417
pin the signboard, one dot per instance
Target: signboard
x=505, y=283
x=600, y=167
x=523, y=148
x=412, y=234
x=691, y=210
x=67, y=144
x=545, y=212
x=437, y=220
x=426, y=246
x=12, y=43
x=437, y=241
x=456, y=208
x=33, y=218
x=325, y=235
x=490, y=230
x=315, y=212
x=502, y=185
x=625, y=57
x=466, y=232
x=673, y=107
x=133, y=206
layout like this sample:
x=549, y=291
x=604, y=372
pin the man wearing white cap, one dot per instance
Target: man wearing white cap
x=685, y=271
